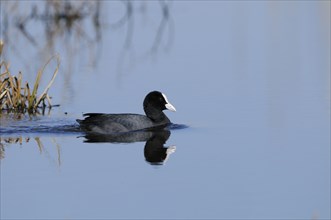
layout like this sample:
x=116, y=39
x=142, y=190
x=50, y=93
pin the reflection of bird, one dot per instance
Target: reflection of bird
x=124, y=137
x=154, y=151
x=154, y=104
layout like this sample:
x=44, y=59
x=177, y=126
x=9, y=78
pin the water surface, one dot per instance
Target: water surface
x=250, y=80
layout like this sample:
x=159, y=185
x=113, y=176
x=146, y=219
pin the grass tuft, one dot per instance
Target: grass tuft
x=16, y=96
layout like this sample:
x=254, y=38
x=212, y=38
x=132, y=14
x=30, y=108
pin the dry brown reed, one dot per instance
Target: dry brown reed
x=16, y=96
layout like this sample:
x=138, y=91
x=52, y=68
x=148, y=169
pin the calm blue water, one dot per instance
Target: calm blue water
x=251, y=80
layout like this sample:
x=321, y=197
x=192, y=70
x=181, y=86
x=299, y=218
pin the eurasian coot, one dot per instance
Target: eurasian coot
x=154, y=104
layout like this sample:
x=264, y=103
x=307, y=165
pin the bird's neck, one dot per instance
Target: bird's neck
x=156, y=116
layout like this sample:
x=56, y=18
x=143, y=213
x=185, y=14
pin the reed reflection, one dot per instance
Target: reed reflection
x=67, y=25
x=154, y=151
x=6, y=142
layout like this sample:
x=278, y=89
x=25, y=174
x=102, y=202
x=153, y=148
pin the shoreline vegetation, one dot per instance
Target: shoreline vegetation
x=17, y=96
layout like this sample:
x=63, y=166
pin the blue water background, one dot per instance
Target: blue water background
x=251, y=80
